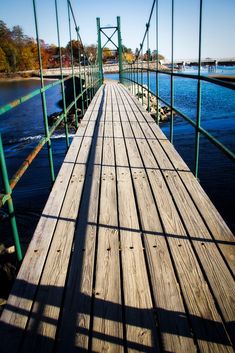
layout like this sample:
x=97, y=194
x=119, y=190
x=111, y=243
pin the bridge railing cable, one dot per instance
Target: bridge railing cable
x=89, y=82
x=138, y=74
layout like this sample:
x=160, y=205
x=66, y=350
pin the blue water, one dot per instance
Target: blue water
x=23, y=127
x=21, y=130
x=216, y=171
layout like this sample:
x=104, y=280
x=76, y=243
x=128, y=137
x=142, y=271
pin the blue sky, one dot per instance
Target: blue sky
x=218, y=23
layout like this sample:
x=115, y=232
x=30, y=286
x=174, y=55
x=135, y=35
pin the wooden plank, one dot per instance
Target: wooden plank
x=213, y=219
x=185, y=261
x=219, y=229
x=40, y=334
x=205, y=320
x=156, y=148
x=131, y=101
x=139, y=315
x=220, y=279
x=76, y=317
x=136, y=105
x=94, y=105
x=15, y=315
x=163, y=281
x=107, y=329
x=96, y=101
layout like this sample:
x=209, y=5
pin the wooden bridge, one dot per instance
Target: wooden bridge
x=129, y=255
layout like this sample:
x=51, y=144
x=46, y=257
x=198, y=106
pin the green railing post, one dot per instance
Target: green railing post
x=198, y=121
x=62, y=78
x=148, y=57
x=119, y=49
x=85, y=78
x=80, y=76
x=132, y=78
x=138, y=90
x=43, y=97
x=72, y=65
x=136, y=78
x=100, y=51
x=7, y=190
x=142, y=73
x=157, y=67
x=172, y=70
x=90, y=80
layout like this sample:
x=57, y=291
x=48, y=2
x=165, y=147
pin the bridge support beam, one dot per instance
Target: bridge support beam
x=117, y=29
x=100, y=51
x=119, y=48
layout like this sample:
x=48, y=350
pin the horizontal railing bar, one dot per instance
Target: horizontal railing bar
x=27, y=97
x=210, y=137
x=190, y=76
x=109, y=27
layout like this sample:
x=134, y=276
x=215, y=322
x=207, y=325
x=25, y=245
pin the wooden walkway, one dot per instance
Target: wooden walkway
x=129, y=255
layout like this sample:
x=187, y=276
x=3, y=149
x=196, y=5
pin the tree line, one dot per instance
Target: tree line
x=18, y=52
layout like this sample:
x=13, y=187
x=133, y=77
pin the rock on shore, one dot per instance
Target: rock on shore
x=142, y=96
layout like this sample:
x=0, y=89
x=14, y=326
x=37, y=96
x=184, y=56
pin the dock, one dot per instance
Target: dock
x=130, y=254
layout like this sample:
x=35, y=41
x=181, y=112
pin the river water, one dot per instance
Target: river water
x=22, y=128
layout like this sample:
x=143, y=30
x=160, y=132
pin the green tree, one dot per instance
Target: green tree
x=17, y=35
x=126, y=50
x=27, y=59
x=156, y=55
x=5, y=33
x=4, y=66
x=11, y=54
x=8, y=46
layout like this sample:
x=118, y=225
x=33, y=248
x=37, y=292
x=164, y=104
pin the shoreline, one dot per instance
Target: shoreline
x=19, y=79
x=229, y=78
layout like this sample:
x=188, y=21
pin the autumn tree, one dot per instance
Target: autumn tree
x=77, y=49
x=91, y=51
x=107, y=54
x=129, y=57
x=7, y=50
x=4, y=66
x=27, y=59
x=18, y=52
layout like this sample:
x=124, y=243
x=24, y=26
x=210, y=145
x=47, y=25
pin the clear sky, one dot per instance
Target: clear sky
x=218, y=23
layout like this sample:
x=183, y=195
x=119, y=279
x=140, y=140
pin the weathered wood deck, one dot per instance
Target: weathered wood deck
x=129, y=254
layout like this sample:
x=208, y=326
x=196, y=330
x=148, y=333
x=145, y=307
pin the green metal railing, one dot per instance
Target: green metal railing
x=90, y=81
x=133, y=74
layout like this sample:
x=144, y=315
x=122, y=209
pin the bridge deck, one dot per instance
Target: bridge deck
x=129, y=254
